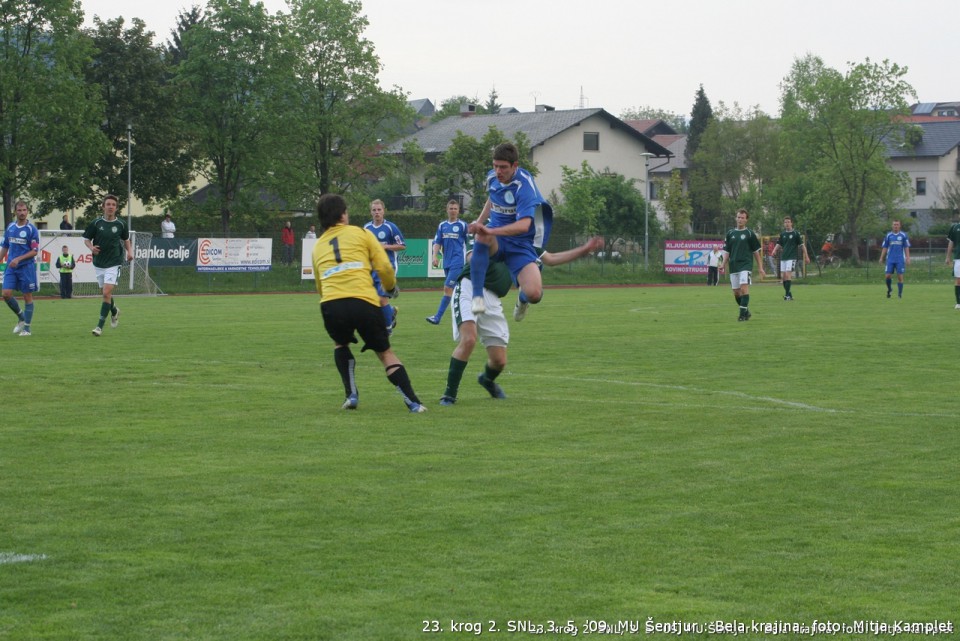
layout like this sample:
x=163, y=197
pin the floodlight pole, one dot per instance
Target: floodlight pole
x=129, y=178
x=130, y=201
x=646, y=209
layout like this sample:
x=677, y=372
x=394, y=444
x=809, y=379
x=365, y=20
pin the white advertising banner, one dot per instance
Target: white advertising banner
x=234, y=254
x=51, y=246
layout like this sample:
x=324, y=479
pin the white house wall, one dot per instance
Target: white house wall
x=936, y=171
x=619, y=152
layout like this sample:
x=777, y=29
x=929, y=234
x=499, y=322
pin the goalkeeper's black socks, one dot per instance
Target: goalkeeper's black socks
x=397, y=374
x=956, y=293
x=346, y=365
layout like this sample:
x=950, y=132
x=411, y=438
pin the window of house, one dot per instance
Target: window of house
x=921, y=186
x=591, y=141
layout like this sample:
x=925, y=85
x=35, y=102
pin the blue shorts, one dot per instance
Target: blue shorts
x=897, y=268
x=516, y=254
x=22, y=279
x=450, y=276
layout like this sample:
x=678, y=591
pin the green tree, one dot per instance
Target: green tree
x=49, y=117
x=700, y=117
x=175, y=52
x=451, y=106
x=739, y=152
x=705, y=189
x=675, y=120
x=676, y=204
x=337, y=116
x=231, y=85
x=492, y=105
x=136, y=92
x=604, y=202
x=838, y=126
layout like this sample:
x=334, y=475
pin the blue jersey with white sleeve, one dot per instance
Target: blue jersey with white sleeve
x=20, y=240
x=452, y=239
x=895, y=244
x=519, y=199
x=387, y=234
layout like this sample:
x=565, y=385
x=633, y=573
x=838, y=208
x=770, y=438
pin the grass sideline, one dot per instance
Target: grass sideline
x=189, y=475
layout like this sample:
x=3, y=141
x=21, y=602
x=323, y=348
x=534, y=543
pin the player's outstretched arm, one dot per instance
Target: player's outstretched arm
x=553, y=259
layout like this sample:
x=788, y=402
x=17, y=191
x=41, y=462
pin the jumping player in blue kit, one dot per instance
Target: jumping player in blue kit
x=896, y=249
x=21, y=242
x=519, y=222
x=451, y=241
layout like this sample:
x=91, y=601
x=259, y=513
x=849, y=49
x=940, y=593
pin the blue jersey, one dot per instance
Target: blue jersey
x=387, y=234
x=519, y=199
x=21, y=240
x=452, y=238
x=895, y=244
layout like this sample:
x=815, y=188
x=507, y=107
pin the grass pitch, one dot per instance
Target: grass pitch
x=189, y=475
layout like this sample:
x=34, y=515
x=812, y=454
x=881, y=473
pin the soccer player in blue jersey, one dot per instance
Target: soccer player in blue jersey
x=390, y=237
x=519, y=220
x=451, y=241
x=21, y=242
x=896, y=249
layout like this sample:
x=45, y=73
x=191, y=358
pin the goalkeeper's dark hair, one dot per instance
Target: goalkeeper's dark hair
x=330, y=209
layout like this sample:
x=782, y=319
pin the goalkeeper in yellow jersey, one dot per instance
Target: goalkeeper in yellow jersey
x=344, y=259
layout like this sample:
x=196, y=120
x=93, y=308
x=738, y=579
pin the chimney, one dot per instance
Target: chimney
x=544, y=108
x=467, y=109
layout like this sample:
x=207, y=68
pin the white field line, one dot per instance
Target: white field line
x=806, y=407
x=12, y=557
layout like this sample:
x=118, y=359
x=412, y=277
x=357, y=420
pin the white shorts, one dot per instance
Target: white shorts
x=786, y=266
x=492, y=328
x=956, y=268
x=107, y=275
x=738, y=279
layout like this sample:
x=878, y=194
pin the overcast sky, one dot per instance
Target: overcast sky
x=621, y=54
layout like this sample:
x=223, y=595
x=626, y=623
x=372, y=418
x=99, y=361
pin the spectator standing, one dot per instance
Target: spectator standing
x=287, y=240
x=167, y=228
x=66, y=264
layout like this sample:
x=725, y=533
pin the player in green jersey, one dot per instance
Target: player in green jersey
x=787, y=245
x=106, y=238
x=740, y=248
x=491, y=326
x=953, y=253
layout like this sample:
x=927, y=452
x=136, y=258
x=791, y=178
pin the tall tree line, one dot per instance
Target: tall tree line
x=286, y=104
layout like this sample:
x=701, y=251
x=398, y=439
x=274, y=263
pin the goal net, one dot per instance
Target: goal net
x=134, y=277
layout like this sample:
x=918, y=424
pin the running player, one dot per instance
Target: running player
x=106, y=238
x=343, y=259
x=451, y=241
